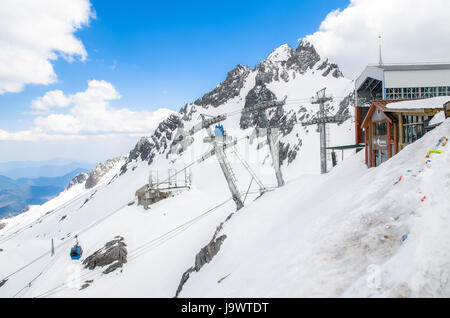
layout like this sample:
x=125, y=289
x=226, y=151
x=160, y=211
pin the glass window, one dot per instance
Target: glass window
x=419, y=131
x=380, y=157
x=380, y=128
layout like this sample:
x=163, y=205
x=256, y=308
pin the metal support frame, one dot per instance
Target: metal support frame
x=321, y=121
x=262, y=188
x=226, y=169
x=272, y=136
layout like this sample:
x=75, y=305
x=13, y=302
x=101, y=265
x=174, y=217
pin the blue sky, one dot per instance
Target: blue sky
x=165, y=54
x=82, y=87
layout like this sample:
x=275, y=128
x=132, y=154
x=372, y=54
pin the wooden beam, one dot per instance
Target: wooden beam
x=400, y=128
x=388, y=143
x=395, y=138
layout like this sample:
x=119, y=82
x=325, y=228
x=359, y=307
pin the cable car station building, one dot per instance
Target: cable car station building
x=383, y=124
x=398, y=82
x=390, y=125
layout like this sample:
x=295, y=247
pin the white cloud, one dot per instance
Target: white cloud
x=88, y=114
x=412, y=31
x=34, y=33
x=51, y=99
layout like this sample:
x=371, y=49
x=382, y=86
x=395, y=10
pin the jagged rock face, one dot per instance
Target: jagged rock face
x=2, y=225
x=148, y=147
x=274, y=68
x=79, y=178
x=100, y=170
x=226, y=90
x=284, y=60
x=207, y=253
x=114, y=254
x=345, y=103
x=258, y=94
x=142, y=149
x=305, y=57
x=330, y=68
x=283, y=65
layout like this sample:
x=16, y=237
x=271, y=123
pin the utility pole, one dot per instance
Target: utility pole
x=321, y=99
x=321, y=120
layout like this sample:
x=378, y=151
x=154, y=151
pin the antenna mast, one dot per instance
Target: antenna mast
x=379, y=47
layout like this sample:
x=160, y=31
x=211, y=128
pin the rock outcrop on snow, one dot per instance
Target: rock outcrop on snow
x=226, y=90
x=205, y=255
x=114, y=254
x=100, y=170
x=158, y=143
x=79, y=178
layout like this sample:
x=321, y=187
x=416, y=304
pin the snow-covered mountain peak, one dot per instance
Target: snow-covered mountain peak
x=281, y=53
x=227, y=89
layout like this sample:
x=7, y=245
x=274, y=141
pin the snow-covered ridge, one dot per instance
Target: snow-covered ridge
x=356, y=232
x=108, y=209
x=294, y=74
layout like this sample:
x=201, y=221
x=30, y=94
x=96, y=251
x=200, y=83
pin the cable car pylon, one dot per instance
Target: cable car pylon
x=218, y=141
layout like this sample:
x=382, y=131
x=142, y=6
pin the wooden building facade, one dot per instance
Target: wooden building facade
x=388, y=129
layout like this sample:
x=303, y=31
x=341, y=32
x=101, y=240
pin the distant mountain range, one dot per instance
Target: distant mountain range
x=36, y=169
x=17, y=194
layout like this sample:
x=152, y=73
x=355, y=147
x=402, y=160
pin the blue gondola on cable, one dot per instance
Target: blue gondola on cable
x=219, y=131
x=76, y=252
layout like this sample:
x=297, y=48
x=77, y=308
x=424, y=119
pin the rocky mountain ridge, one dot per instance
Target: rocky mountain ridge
x=282, y=67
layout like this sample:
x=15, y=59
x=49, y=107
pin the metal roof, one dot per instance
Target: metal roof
x=412, y=66
x=376, y=71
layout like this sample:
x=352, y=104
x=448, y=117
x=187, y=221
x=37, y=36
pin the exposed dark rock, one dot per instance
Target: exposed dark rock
x=184, y=279
x=205, y=255
x=114, y=254
x=305, y=58
x=344, y=105
x=62, y=218
x=258, y=94
x=100, y=170
x=3, y=282
x=284, y=149
x=2, y=225
x=226, y=90
x=86, y=284
x=79, y=178
x=274, y=67
x=148, y=147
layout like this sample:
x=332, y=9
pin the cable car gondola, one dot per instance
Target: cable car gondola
x=218, y=130
x=76, y=252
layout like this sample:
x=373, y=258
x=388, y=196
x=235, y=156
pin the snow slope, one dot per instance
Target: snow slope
x=316, y=236
x=320, y=235
x=341, y=234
